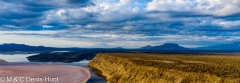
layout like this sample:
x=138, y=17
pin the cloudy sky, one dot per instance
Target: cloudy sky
x=119, y=23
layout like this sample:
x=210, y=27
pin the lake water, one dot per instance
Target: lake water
x=15, y=57
x=21, y=58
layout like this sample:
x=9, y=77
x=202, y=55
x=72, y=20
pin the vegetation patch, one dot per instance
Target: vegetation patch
x=66, y=57
x=166, y=68
x=164, y=61
x=195, y=62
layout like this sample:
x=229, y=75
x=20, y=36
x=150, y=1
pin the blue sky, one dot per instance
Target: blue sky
x=119, y=23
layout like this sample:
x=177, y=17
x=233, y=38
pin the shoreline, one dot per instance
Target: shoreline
x=66, y=74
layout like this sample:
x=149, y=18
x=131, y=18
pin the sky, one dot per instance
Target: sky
x=119, y=23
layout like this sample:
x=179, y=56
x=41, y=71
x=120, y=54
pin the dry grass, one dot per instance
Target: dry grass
x=194, y=62
x=164, y=61
x=166, y=68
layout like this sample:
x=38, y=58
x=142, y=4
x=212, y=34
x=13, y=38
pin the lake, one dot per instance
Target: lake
x=21, y=58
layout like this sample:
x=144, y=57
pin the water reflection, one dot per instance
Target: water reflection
x=21, y=58
x=15, y=57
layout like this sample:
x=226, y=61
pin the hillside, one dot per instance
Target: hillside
x=162, y=68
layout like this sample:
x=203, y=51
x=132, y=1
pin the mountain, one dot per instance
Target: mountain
x=229, y=46
x=118, y=48
x=9, y=47
x=146, y=47
x=166, y=46
x=22, y=47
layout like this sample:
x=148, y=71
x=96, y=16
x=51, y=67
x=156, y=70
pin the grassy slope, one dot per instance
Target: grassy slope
x=166, y=68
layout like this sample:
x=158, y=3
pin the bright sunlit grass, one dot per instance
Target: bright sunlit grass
x=167, y=68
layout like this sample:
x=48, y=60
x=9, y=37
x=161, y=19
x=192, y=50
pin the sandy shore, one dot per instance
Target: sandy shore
x=26, y=73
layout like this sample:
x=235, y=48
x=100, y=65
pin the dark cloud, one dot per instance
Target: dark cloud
x=78, y=1
x=187, y=14
x=5, y=21
x=234, y=17
x=220, y=30
x=31, y=9
x=47, y=27
x=38, y=8
x=29, y=13
x=109, y=21
x=81, y=2
x=50, y=3
x=20, y=15
x=177, y=14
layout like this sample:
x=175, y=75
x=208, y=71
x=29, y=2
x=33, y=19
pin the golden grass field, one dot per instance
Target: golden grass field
x=167, y=68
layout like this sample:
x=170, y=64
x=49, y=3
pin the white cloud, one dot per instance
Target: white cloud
x=226, y=24
x=170, y=5
x=125, y=1
x=115, y=11
x=63, y=15
x=10, y=26
x=212, y=7
x=135, y=9
x=125, y=23
x=47, y=26
x=219, y=7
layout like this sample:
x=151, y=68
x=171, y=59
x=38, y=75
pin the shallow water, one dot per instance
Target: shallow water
x=21, y=58
x=15, y=57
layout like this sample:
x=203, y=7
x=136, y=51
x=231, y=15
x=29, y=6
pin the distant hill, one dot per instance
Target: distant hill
x=166, y=46
x=9, y=47
x=23, y=47
x=146, y=47
x=119, y=48
x=229, y=46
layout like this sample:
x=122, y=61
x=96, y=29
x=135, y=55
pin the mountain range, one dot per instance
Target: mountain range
x=172, y=46
x=22, y=47
x=228, y=46
x=165, y=47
